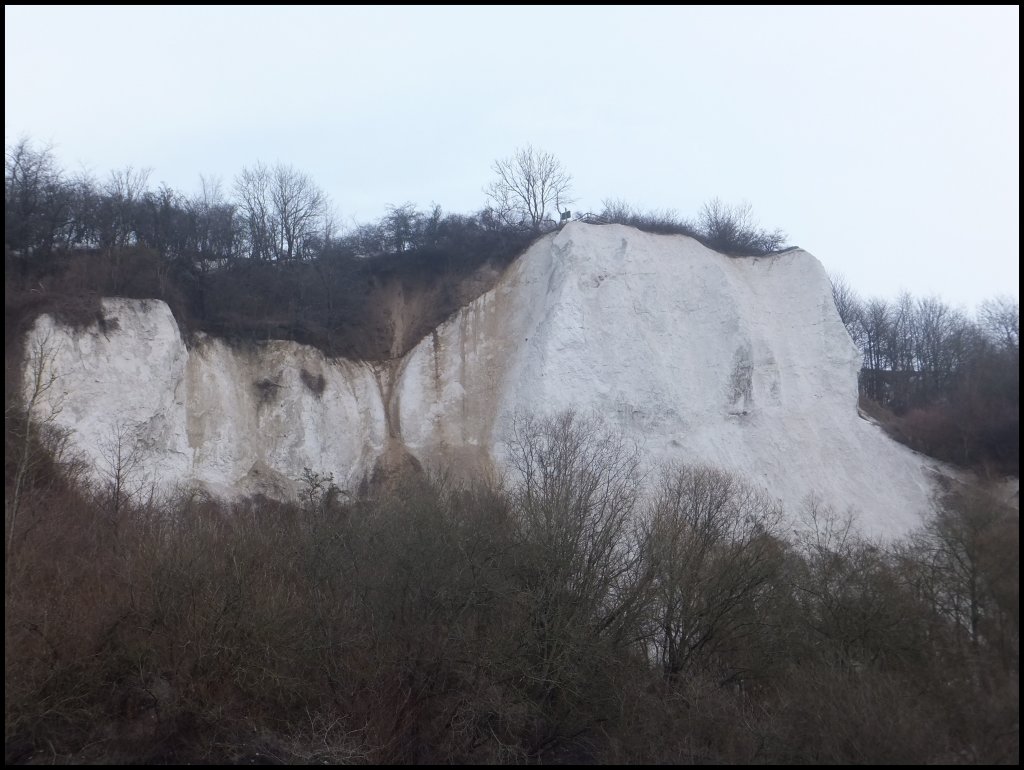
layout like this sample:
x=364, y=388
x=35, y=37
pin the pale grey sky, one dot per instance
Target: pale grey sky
x=885, y=141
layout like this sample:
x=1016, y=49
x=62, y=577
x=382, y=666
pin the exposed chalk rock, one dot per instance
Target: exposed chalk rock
x=236, y=420
x=742, y=363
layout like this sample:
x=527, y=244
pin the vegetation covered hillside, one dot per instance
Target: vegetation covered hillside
x=553, y=618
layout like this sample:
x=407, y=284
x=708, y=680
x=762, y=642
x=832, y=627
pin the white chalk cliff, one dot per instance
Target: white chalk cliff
x=742, y=363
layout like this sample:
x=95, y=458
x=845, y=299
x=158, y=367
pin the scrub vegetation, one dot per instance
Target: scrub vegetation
x=559, y=615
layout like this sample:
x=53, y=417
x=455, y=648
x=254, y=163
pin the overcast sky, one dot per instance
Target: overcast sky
x=885, y=141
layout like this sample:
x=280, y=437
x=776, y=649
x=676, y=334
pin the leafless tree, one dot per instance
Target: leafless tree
x=712, y=552
x=121, y=464
x=123, y=192
x=529, y=183
x=254, y=196
x=849, y=306
x=970, y=548
x=1000, y=319
x=401, y=226
x=939, y=335
x=300, y=208
x=214, y=223
x=38, y=410
x=575, y=484
x=284, y=211
x=37, y=198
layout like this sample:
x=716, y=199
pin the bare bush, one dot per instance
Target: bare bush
x=733, y=230
x=855, y=613
x=26, y=416
x=665, y=222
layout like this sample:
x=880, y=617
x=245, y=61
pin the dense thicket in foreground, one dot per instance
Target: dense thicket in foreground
x=556, y=617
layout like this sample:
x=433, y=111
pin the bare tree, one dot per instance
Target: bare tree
x=970, y=549
x=253, y=192
x=284, y=212
x=1000, y=320
x=528, y=184
x=29, y=417
x=300, y=209
x=849, y=306
x=575, y=485
x=712, y=553
x=37, y=198
x=123, y=192
x=401, y=227
x=876, y=320
x=214, y=224
x=121, y=464
x=940, y=336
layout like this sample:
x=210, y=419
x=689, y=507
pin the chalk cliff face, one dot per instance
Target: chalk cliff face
x=740, y=363
x=238, y=421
